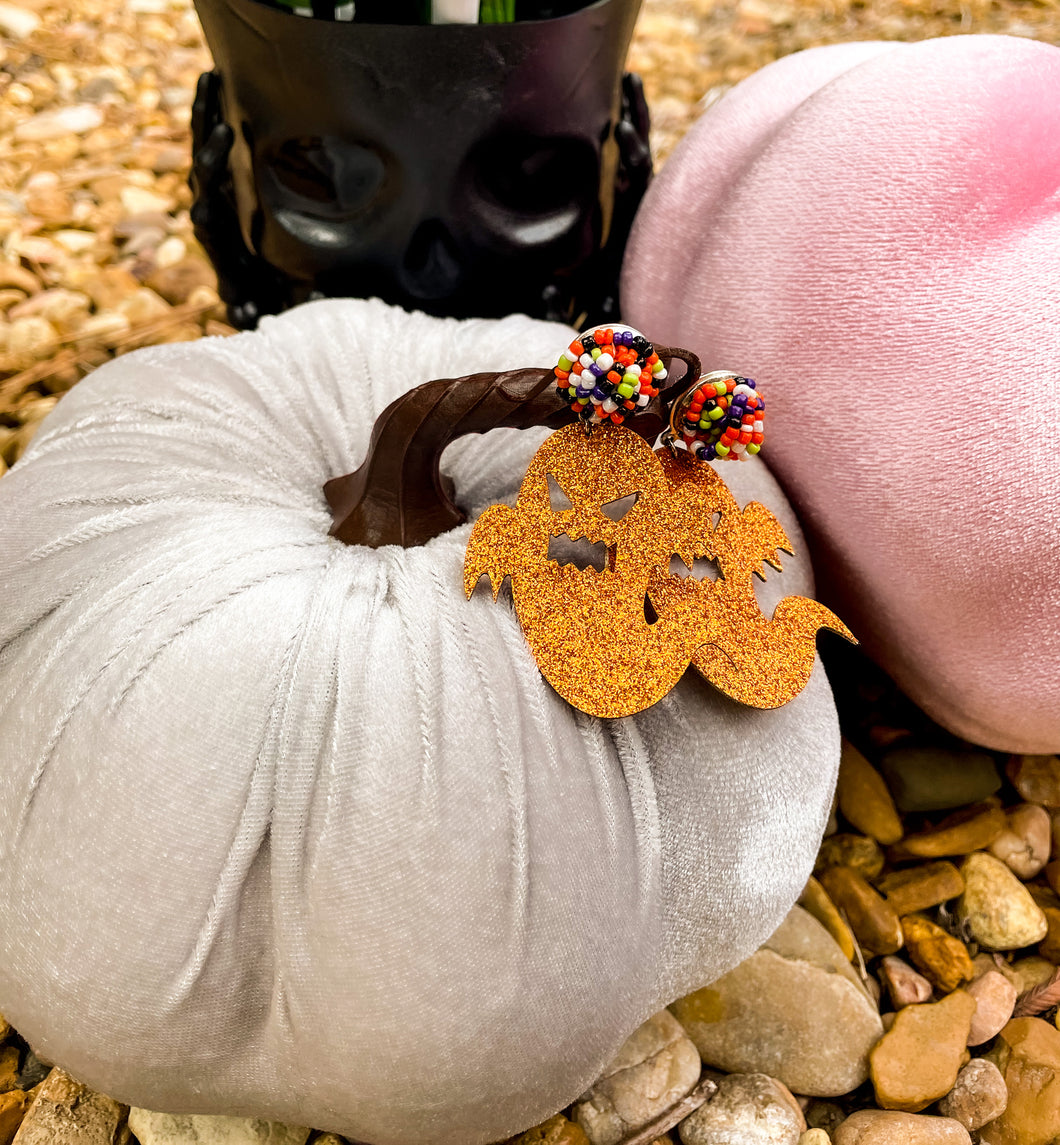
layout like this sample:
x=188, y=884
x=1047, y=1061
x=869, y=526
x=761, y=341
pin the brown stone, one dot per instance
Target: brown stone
x=905, y=986
x=959, y=834
x=65, y=1111
x=1025, y=843
x=1049, y=947
x=1023, y=973
x=1052, y=874
x=826, y=1115
x=10, y=297
x=864, y=799
x=15, y=276
x=796, y=1010
x=885, y=735
x=881, y=1127
x=872, y=919
x=555, y=1131
x=1036, y=778
x=175, y=283
x=859, y=852
x=1043, y=896
x=943, y=959
x=1028, y=1055
x=916, y=1062
x=9, y=1056
x=815, y=899
x=144, y=306
x=107, y=286
x=13, y=1106
x=978, y=1096
x=918, y=888
x=995, y=998
x=30, y=340
x=996, y=907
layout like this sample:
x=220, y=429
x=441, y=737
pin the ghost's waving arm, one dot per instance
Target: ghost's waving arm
x=769, y=539
x=493, y=549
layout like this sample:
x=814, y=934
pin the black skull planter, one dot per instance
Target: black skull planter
x=457, y=169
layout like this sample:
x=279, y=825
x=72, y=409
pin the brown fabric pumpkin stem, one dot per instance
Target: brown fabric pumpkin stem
x=399, y=496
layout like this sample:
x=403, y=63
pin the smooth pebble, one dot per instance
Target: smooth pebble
x=996, y=907
x=995, y=998
x=751, y=1108
x=917, y=1060
x=655, y=1068
x=978, y=1096
x=881, y=1127
x=795, y=1010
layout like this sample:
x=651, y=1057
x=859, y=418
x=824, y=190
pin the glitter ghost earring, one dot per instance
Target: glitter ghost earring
x=615, y=636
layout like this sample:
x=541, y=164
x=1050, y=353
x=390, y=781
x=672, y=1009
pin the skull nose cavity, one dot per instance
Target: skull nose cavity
x=431, y=267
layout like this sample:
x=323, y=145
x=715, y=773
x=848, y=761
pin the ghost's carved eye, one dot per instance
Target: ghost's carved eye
x=559, y=500
x=618, y=508
x=702, y=568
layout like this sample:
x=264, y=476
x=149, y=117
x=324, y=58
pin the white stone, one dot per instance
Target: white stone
x=655, y=1068
x=198, y=1129
x=170, y=252
x=139, y=201
x=75, y=241
x=748, y=1109
x=77, y=119
x=17, y=23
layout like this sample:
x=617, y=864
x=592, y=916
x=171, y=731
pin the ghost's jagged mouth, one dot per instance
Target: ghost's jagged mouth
x=701, y=568
x=585, y=555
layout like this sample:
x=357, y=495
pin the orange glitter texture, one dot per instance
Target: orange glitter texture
x=614, y=641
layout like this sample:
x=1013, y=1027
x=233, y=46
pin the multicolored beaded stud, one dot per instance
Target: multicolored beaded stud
x=721, y=416
x=608, y=374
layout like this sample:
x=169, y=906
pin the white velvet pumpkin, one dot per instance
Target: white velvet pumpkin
x=289, y=828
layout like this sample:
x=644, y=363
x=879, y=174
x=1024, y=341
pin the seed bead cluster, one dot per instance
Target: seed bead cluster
x=721, y=418
x=609, y=374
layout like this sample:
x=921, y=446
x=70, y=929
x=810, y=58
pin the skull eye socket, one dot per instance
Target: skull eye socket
x=557, y=499
x=535, y=177
x=306, y=167
x=325, y=173
x=620, y=506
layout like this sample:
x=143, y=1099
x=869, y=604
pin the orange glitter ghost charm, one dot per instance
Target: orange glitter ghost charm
x=614, y=640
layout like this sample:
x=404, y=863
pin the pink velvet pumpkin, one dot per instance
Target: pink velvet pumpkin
x=872, y=231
